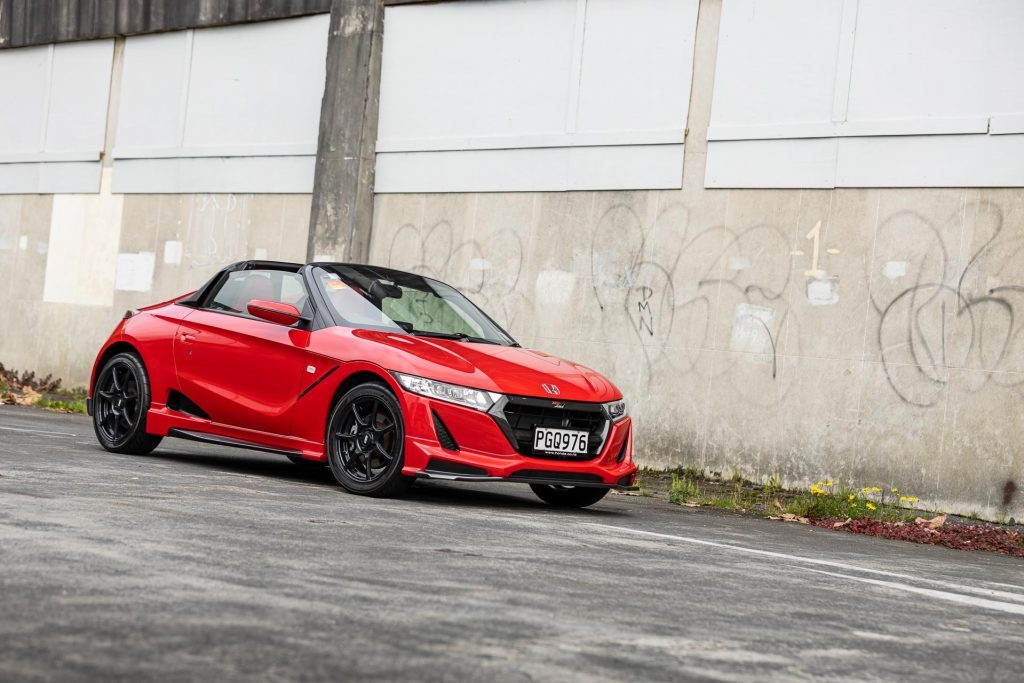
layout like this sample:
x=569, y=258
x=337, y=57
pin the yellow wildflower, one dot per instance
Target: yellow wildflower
x=853, y=505
x=850, y=497
x=828, y=483
x=876, y=489
x=820, y=483
x=866, y=489
x=912, y=500
x=870, y=506
x=895, y=490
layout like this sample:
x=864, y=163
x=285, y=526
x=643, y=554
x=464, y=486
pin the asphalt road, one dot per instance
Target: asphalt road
x=205, y=563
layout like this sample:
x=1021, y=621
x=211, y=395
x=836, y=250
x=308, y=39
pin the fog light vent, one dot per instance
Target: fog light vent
x=443, y=435
x=622, y=451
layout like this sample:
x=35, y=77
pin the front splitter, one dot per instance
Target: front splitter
x=550, y=481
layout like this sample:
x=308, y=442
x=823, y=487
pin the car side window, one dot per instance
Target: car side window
x=234, y=293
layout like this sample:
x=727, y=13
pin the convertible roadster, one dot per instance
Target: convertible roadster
x=382, y=375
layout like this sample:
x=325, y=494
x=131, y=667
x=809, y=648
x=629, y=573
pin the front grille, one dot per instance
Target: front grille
x=525, y=414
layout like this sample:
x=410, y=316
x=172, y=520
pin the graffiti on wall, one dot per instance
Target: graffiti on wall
x=680, y=290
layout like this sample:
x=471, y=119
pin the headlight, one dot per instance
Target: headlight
x=616, y=410
x=464, y=396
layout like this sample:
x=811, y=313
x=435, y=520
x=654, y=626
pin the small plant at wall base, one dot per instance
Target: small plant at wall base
x=24, y=388
x=871, y=510
x=827, y=500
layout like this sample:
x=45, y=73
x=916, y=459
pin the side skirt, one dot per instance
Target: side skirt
x=229, y=441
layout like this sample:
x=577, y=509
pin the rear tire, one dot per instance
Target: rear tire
x=366, y=442
x=120, y=405
x=568, y=496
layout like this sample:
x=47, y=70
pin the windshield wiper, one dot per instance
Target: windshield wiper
x=457, y=336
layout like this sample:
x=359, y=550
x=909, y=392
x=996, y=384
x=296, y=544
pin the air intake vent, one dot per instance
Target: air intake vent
x=180, y=403
x=443, y=435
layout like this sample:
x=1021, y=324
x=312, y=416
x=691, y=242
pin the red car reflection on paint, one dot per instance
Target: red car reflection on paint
x=384, y=376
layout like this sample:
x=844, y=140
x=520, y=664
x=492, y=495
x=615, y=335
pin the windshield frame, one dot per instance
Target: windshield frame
x=316, y=285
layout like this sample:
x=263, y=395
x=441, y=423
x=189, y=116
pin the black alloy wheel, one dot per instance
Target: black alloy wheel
x=366, y=441
x=568, y=496
x=121, y=399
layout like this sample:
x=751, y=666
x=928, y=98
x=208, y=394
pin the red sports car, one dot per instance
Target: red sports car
x=385, y=376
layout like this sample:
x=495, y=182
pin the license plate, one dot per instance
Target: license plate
x=559, y=441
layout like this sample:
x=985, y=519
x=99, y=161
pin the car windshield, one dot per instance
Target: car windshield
x=393, y=301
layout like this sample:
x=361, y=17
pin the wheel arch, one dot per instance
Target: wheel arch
x=120, y=346
x=361, y=376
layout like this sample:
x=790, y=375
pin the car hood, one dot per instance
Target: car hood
x=504, y=369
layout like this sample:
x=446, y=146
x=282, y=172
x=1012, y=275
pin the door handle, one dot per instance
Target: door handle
x=188, y=337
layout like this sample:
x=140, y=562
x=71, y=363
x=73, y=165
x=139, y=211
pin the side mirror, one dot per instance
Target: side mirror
x=274, y=312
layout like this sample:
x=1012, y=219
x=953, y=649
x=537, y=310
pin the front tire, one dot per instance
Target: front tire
x=120, y=405
x=568, y=496
x=366, y=442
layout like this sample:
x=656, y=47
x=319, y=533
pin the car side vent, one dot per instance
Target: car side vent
x=180, y=403
x=443, y=435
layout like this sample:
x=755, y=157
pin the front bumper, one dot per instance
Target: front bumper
x=477, y=449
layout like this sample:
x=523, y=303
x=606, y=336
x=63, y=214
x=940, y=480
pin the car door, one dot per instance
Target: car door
x=240, y=370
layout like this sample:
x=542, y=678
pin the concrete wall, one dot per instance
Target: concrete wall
x=894, y=358
x=72, y=264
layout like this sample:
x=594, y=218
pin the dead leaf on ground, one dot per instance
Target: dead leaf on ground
x=936, y=522
x=843, y=523
x=777, y=505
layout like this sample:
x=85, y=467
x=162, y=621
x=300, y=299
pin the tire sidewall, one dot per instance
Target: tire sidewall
x=333, y=425
x=138, y=370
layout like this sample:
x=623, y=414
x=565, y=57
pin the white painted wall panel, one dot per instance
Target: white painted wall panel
x=258, y=84
x=808, y=163
x=521, y=170
x=153, y=88
x=476, y=69
x=240, y=100
x=932, y=161
x=270, y=174
x=891, y=161
x=909, y=93
x=50, y=177
x=918, y=59
x=776, y=62
x=52, y=116
x=24, y=82
x=79, y=97
x=637, y=65
x=498, y=93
